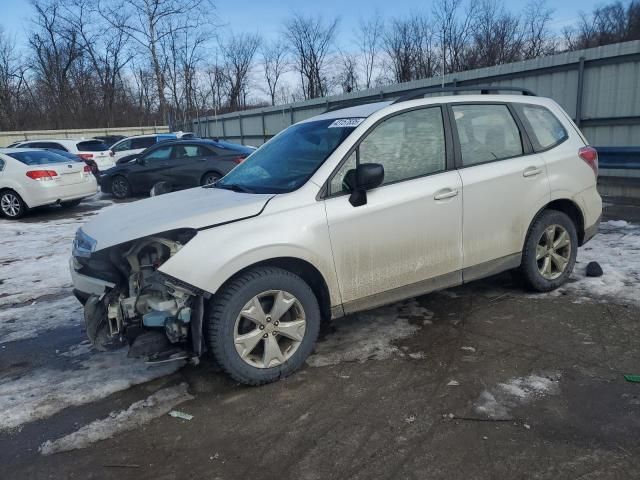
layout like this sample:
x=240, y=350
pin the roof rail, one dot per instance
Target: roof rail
x=484, y=90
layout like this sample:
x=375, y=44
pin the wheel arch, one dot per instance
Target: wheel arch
x=211, y=170
x=302, y=268
x=571, y=209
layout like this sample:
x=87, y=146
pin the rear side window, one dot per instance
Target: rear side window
x=487, y=133
x=190, y=151
x=144, y=142
x=122, y=146
x=91, y=146
x=544, y=128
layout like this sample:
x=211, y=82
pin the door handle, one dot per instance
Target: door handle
x=445, y=193
x=531, y=172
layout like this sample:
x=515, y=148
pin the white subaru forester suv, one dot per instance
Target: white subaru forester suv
x=343, y=212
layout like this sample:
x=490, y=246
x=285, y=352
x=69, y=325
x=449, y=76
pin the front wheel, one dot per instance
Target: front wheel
x=263, y=325
x=120, y=187
x=550, y=251
x=11, y=205
x=210, y=178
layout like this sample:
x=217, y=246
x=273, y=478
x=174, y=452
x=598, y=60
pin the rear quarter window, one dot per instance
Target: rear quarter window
x=91, y=146
x=543, y=127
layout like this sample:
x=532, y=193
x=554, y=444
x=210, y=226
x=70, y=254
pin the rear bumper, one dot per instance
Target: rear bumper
x=47, y=195
x=590, y=232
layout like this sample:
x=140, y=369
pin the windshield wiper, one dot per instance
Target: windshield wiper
x=232, y=186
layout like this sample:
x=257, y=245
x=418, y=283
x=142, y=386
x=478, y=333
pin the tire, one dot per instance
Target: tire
x=120, y=187
x=226, y=326
x=547, y=249
x=209, y=178
x=71, y=203
x=11, y=205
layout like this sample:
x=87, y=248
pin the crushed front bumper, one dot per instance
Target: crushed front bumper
x=85, y=286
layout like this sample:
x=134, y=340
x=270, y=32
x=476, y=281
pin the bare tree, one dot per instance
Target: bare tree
x=410, y=48
x=370, y=33
x=454, y=29
x=149, y=22
x=274, y=64
x=13, y=86
x=311, y=40
x=537, y=39
x=348, y=73
x=611, y=23
x=497, y=36
x=238, y=52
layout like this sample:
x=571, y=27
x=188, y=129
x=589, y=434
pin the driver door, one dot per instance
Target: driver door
x=151, y=170
x=407, y=239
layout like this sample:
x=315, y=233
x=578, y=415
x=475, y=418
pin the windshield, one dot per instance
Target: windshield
x=289, y=159
x=38, y=157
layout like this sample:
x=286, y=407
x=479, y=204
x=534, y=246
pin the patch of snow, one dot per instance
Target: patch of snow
x=34, y=256
x=496, y=403
x=45, y=392
x=83, y=348
x=616, y=248
x=139, y=413
x=367, y=335
x=29, y=321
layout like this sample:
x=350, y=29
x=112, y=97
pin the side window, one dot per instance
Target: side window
x=144, y=142
x=487, y=133
x=545, y=129
x=1, y=165
x=159, y=154
x=408, y=145
x=336, y=185
x=122, y=146
x=54, y=146
x=188, y=151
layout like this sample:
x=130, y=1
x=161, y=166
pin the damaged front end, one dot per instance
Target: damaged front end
x=128, y=300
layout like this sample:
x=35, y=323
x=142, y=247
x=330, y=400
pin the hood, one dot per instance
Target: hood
x=194, y=208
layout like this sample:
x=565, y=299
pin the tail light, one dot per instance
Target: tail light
x=93, y=167
x=87, y=169
x=86, y=156
x=111, y=154
x=42, y=175
x=590, y=156
x=238, y=160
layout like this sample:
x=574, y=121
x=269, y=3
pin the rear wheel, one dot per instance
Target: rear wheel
x=11, y=205
x=550, y=251
x=120, y=187
x=263, y=325
x=210, y=178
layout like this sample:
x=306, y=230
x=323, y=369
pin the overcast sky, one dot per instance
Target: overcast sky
x=266, y=16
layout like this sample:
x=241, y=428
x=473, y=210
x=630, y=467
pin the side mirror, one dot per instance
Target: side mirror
x=365, y=177
x=140, y=161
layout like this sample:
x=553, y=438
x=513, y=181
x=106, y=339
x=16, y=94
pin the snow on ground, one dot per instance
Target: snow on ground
x=497, y=403
x=34, y=256
x=368, y=335
x=616, y=248
x=31, y=320
x=138, y=413
x=46, y=391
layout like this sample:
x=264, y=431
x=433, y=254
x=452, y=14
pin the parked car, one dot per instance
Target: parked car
x=31, y=178
x=135, y=145
x=93, y=152
x=342, y=212
x=180, y=163
x=109, y=140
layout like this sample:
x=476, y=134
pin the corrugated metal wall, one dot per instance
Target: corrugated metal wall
x=598, y=87
x=7, y=138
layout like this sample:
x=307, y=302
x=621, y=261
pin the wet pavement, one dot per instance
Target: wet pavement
x=487, y=381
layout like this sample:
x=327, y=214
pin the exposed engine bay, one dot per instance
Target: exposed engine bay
x=157, y=315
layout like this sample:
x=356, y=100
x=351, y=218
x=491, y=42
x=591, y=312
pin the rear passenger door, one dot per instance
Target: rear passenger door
x=187, y=166
x=504, y=184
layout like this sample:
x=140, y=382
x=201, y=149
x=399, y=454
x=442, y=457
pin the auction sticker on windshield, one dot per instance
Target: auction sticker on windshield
x=346, y=123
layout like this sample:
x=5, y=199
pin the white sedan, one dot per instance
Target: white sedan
x=30, y=178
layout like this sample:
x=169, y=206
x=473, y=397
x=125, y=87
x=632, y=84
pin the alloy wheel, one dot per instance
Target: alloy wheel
x=553, y=252
x=210, y=179
x=10, y=204
x=269, y=329
x=119, y=187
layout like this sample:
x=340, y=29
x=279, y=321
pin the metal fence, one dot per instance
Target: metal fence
x=598, y=87
x=7, y=138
